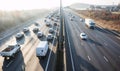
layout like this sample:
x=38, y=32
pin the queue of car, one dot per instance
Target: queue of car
x=42, y=47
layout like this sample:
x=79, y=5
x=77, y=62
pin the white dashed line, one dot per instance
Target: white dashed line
x=9, y=63
x=89, y=58
x=105, y=58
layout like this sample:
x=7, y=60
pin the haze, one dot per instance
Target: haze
x=38, y=4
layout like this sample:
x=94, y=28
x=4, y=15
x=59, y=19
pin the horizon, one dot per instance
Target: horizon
x=46, y=4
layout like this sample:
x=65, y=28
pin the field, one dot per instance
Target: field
x=10, y=19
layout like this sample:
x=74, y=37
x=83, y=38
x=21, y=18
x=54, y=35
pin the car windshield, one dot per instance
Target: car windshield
x=92, y=23
x=83, y=35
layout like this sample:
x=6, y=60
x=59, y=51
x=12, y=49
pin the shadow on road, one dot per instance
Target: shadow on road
x=43, y=61
x=104, y=30
x=85, y=65
x=14, y=64
x=20, y=41
x=94, y=42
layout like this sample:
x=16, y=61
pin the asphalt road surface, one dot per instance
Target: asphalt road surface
x=26, y=59
x=100, y=52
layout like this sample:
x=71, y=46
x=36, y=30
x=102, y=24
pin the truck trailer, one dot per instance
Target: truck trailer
x=90, y=23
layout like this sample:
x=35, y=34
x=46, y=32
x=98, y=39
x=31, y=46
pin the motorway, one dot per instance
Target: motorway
x=100, y=52
x=26, y=59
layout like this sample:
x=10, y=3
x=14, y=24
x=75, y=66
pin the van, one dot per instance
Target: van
x=42, y=49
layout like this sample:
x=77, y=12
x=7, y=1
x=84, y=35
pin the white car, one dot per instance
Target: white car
x=81, y=20
x=19, y=35
x=50, y=37
x=39, y=34
x=83, y=36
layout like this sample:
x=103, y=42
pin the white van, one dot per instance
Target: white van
x=42, y=49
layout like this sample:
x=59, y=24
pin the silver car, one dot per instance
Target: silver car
x=39, y=34
x=19, y=35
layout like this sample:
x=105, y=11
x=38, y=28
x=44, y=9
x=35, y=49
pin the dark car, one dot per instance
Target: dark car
x=35, y=30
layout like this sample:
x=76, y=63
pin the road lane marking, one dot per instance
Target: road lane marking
x=105, y=58
x=117, y=37
x=50, y=54
x=105, y=44
x=9, y=63
x=71, y=53
x=89, y=58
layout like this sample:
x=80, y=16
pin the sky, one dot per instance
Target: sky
x=38, y=4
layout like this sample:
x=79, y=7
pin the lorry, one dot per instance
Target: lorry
x=42, y=49
x=10, y=51
x=90, y=23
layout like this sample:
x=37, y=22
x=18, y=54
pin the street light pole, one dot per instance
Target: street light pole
x=59, y=60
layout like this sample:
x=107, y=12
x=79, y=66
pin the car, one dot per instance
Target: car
x=39, y=34
x=55, y=20
x=45, y=20
x=81, y=20
x=73, y=16
x=19, y=35
x=35, y=30
x=36, y=24
x=55, y=24
x=51, y=30
x=71, y=19
x=83, y=36
x=48, y=24
x=50, y=37
x=25, y=30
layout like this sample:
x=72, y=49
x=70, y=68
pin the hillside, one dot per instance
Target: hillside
x=83, y=6
x=79, y=6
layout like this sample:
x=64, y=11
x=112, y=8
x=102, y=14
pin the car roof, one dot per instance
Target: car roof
x=83, y=34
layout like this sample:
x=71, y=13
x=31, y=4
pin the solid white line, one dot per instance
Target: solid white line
x=9, y=63
x=105, y=58
x=117, y=37
x=89, y=58
x=50, y=54
x=71, y=54
x=116, y=33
